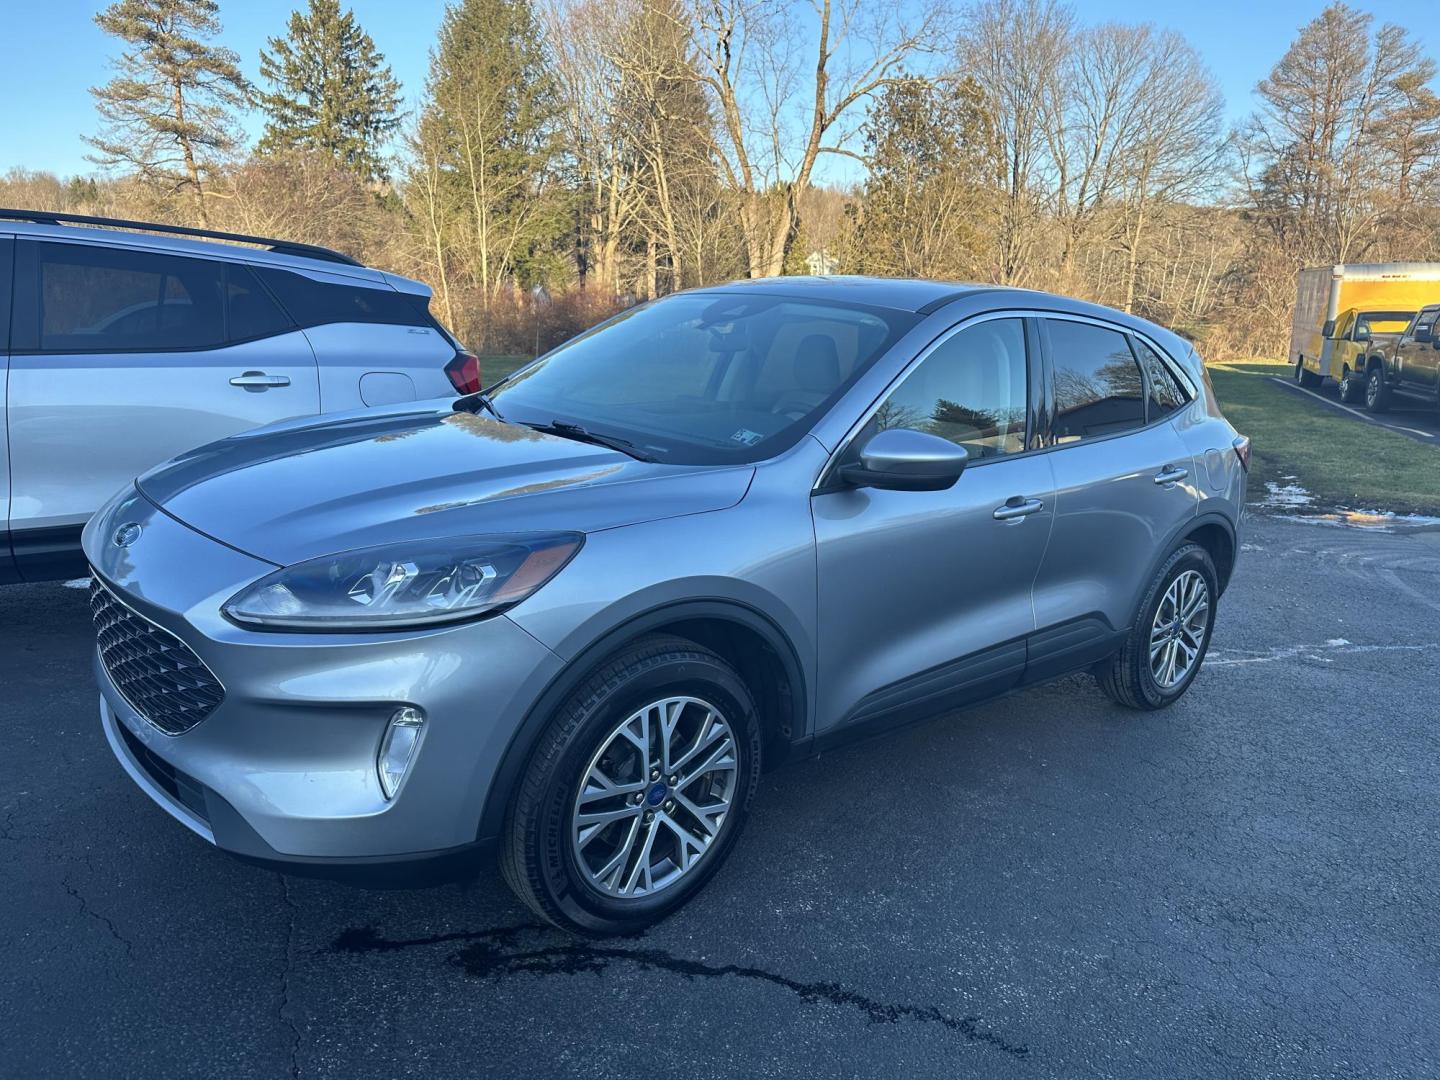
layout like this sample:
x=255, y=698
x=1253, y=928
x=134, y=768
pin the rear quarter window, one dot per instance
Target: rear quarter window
x=316, y=303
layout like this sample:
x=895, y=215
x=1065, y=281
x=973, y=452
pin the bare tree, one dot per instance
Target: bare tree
x=785, y=98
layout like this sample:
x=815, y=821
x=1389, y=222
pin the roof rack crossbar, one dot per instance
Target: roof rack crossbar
x=280, y=247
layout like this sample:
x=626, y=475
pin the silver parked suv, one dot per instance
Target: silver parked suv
x=579, y=614
x=131, y=342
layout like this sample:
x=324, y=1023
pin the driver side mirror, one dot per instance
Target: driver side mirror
x=1423, y=335
x=900, y=459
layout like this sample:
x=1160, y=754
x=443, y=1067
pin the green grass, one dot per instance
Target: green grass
x=1341, y=460
x=495, y=367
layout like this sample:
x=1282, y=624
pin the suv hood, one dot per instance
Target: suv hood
x=298, y=490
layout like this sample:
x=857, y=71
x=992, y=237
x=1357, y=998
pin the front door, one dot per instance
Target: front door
x=925, y=597
x=124, y=358
x=1417, y=360
x=1124, y=483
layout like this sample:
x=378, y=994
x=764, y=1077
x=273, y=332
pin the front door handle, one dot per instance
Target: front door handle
x=258, y=380
x=1171, y=474
x=1018, y=506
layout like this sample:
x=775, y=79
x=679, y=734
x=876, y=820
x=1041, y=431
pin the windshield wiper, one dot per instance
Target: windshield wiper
x=479, y=400
x=567, y=430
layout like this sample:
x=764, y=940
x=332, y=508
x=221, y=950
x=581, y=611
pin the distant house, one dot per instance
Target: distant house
x=820, y=263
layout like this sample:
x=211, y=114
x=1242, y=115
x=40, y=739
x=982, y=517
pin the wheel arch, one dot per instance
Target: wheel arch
x=745, y=637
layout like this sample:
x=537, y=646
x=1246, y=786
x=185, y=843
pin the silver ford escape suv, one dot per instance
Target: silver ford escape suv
x=129, y=342
x=575, y=617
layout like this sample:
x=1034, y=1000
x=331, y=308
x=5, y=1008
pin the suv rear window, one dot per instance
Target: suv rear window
x=315, y=303
x=1099, y=389
x=87, y=298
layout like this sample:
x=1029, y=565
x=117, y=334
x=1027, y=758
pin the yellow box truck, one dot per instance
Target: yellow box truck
x=1343, y=311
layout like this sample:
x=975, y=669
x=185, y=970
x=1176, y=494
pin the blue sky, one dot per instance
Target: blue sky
x=53, y=53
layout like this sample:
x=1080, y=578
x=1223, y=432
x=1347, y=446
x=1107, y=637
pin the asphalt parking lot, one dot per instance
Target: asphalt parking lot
x=1415, y=419
x=1046, y=886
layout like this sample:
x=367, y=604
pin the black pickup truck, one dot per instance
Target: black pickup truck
x=1408, y=366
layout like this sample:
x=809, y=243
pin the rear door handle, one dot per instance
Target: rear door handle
x=1171, y=474
x=258, y=380
x=1018, y=506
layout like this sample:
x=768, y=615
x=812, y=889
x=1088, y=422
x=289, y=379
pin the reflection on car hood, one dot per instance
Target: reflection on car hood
x=303, y=489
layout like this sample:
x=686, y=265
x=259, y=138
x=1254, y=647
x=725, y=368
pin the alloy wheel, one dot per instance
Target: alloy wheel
x=653, y=799
x=1178, y=631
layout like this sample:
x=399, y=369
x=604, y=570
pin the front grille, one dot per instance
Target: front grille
x=156, y=672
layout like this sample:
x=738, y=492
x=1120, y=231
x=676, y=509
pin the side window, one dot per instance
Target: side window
x=1425, y=323
x=315, y=303
x=249, y=308
x=99, y=299
x=7, y=259
x=1098, y=386
x=1165, y=393
x=971, y=390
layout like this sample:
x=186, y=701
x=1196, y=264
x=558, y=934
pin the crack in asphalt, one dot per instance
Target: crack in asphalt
x=86, y=909
x=491, y=954
x=282, y=1010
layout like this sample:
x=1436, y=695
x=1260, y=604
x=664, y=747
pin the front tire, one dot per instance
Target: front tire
x=1377, y=393
x=636, y=791
x=1352, y=388
x=1164, y=650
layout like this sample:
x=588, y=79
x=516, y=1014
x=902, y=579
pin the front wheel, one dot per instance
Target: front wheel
x=1377, y=394
x=1165, y=648
x=1352, y=388
x=636, y=791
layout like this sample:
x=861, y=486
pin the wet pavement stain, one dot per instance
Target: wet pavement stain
x=492, y=954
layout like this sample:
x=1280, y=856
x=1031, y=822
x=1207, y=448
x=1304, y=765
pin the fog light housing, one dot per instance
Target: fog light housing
x=397, y=748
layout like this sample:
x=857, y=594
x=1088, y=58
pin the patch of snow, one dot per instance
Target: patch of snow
x=1285, y=496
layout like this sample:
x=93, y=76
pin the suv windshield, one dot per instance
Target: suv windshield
x=704, y=378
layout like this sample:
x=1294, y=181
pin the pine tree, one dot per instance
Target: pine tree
x=331, y=91
x=168, y=111
x=486, y=147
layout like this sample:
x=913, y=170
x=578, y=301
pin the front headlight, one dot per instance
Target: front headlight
x=420, y=583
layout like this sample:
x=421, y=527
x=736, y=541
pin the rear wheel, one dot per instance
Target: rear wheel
x=1377, y=394
x=1165, y=648
x=637, y=790
x=1304, y=376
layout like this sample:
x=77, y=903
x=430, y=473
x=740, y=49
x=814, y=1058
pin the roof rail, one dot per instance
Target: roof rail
x=280, y=247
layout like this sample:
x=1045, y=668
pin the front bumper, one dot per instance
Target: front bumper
x=283, y=769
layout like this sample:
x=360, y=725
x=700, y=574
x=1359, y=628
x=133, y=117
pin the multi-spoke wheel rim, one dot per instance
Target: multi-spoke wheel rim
x=654, y=797
x=1178, y=632
x=1372, y=388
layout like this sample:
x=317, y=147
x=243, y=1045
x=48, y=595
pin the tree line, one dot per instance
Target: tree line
x=568, y=157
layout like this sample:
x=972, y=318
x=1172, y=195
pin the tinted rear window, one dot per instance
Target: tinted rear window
x=1098, y=386
x=315, y=303
x=97, y=299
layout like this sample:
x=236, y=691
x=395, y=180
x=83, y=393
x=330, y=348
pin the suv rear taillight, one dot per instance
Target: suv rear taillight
x=464, y=372
x=1242, y=451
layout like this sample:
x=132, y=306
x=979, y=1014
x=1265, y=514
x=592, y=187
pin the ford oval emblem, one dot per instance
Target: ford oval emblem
x=126, y=534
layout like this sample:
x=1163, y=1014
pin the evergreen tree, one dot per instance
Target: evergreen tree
x=486, y=144
x=331, y=90
x=168, y=110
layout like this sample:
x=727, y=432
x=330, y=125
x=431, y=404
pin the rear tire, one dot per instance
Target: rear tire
x=1131, y=677
x=1377, y=393
x=562, y=863
x=1305, y=377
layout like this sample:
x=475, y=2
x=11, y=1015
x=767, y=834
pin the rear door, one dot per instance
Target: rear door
x=123, y=358
x=1124, y=485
